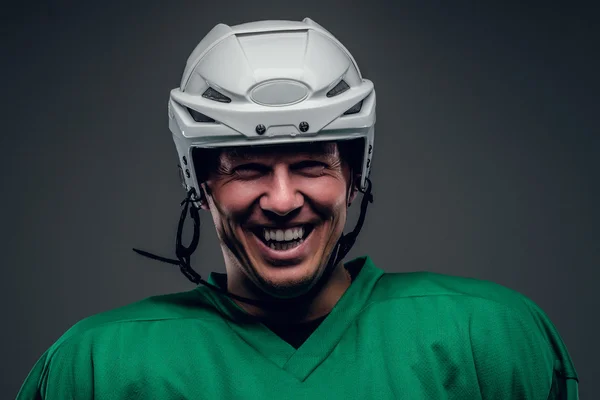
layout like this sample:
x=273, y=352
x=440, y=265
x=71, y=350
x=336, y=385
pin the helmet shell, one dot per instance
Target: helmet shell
x=273, y=82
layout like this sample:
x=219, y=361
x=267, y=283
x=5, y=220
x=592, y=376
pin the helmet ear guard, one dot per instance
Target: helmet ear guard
x=267, y=83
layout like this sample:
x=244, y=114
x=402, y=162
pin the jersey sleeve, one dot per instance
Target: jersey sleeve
x=60, y=373
x=30, y=389
x=518, y=354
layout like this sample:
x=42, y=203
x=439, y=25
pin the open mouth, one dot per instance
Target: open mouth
x=283, y=239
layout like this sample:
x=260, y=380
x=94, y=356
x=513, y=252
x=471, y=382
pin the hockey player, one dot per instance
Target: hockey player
x=274, y=127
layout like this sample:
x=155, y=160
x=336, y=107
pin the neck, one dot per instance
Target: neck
x=319, y=305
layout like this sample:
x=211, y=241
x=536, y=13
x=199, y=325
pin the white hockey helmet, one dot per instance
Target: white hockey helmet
x=269, y=82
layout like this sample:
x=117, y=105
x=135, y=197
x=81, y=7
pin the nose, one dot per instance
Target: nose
x=281, y=197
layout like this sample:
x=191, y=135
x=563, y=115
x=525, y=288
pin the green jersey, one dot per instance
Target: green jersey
x=414, y=335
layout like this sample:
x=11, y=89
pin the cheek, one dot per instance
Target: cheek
x=327, y=193
x=235, y=199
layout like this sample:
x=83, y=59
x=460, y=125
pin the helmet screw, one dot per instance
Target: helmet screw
x=187, y=173
x=260, y=129
x=303, y=126
x=184, y=160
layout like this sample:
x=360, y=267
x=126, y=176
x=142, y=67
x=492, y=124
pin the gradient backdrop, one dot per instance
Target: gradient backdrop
x=486, y=155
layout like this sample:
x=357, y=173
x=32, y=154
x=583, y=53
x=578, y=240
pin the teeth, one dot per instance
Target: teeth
x=289, y=234
x=279, y=246
x=281, y=235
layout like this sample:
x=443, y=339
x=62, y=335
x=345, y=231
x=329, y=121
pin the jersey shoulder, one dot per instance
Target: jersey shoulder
x=165, y=307
x=427, y=284
x=480, y=295
x=67, y=362
x=486, y=306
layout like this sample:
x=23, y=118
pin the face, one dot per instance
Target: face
x=279, y=211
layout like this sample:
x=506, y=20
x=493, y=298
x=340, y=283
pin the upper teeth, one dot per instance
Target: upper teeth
x=281, y=235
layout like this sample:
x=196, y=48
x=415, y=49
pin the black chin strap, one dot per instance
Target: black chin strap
x=183, y=253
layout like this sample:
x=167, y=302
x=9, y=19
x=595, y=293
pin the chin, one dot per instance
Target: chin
x=287, y=273
x=288, y=276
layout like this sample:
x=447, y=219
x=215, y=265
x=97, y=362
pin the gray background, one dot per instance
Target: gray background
x=486, y=154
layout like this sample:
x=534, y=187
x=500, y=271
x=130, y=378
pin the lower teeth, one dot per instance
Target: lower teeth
x=285, y=246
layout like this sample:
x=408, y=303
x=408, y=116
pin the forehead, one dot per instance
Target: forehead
x=311, y=149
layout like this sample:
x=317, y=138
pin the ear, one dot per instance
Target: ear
x=204, y=194
x=354, y=189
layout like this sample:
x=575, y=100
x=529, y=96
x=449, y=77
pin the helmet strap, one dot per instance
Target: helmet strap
x=183, y=253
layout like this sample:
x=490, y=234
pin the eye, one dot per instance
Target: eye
x=250, y=170
x=310, y=166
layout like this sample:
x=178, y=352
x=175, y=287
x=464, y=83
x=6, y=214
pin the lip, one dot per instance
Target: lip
x=283, y=228
x=284, y=257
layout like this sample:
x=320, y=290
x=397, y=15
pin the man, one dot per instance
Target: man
x=274, y=126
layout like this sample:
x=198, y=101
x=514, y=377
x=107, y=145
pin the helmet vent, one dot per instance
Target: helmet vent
x=355, y=109
x=199, y=117
x=339, y=88
x=212, y=94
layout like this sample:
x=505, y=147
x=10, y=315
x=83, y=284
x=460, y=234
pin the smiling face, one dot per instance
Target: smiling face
x=278, y=212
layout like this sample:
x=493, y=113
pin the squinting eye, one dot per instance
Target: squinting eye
x=310, y=166
x=250, y=170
